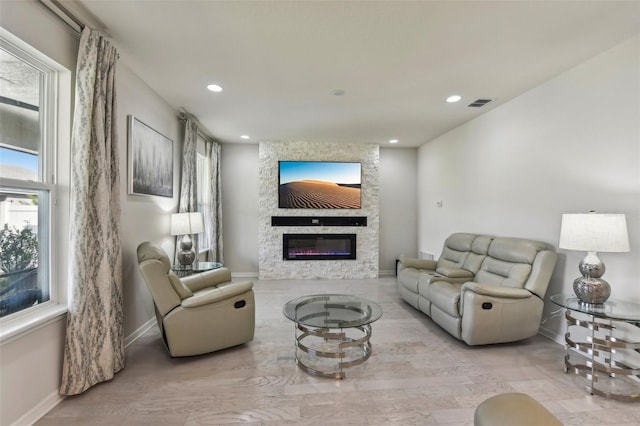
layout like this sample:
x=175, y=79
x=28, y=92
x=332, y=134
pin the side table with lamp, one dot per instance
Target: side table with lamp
x=606, y=348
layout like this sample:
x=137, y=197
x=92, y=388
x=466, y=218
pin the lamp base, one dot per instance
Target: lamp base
x=594, y=291
x=186, y=258
x=186, y=255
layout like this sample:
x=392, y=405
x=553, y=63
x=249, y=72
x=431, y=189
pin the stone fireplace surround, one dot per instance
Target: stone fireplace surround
x=271, y=264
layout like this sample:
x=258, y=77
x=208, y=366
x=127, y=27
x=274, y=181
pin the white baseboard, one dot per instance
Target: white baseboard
x=139, y=332
x=384, y=273
x=37, y=412
x=552, y=335
x=244, y=275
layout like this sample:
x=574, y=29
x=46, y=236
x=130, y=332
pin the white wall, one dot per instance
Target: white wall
x=144, y=218
x=568, y=146
x=240, y=182
x=398, y=206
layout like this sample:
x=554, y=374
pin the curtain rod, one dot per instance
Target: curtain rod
x=185, y=115
x=63, y=13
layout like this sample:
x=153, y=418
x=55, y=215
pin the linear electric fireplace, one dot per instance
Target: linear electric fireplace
x=318, y=246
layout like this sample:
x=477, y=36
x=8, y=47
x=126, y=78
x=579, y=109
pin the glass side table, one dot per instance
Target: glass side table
x=600, y=356
x=195, y=267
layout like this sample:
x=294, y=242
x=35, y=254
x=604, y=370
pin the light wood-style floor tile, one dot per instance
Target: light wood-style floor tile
x=417, y=375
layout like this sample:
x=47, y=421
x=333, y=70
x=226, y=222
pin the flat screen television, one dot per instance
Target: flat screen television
x=319, y=185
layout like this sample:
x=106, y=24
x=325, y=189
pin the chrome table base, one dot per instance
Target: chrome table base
x=597, y=357
x=335, y=347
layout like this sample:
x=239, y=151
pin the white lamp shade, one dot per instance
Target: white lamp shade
x=594, y=232
x=186, y=223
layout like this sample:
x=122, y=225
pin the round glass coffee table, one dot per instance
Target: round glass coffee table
x=332, y=332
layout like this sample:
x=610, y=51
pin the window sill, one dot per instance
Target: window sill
x=15, y=328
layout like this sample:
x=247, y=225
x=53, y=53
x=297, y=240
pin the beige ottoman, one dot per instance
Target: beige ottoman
x=513, y=409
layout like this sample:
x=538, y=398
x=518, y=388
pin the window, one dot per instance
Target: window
x=203, y=182
x=27, y=134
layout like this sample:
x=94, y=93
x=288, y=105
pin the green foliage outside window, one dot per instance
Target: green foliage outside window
x=18, y=249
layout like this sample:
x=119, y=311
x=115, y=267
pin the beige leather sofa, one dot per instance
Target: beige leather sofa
x=201, y=313
x=482, y=289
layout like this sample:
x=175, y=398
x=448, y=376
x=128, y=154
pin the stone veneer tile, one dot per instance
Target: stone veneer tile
x=271, y=264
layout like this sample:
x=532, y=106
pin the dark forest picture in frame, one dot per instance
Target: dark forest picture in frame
x=150, y=161
x=319, y=185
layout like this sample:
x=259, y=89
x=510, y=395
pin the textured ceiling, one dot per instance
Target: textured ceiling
x=280, y=62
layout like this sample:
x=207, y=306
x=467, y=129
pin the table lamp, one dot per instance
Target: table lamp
x=592, y=232
x=186, y=224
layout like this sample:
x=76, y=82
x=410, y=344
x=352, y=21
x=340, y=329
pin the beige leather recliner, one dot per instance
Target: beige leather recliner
x=202, y=313
x=483, y=289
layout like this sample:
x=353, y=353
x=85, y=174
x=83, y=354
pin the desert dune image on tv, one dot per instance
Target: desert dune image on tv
x=319, y=185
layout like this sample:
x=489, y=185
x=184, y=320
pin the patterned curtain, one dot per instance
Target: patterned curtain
x=189, y=185
x=213, y=212
x=94, y=343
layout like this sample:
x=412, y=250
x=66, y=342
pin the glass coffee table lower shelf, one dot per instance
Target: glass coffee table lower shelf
x=606, y=346
x=332, y=332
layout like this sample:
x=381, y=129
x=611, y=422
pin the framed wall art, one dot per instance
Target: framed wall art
x=150, y=160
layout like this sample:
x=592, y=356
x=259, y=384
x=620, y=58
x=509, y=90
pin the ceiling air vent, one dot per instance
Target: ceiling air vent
x=479, y=103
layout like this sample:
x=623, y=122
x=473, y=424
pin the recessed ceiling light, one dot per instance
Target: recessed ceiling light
x=244, y=137
x=214, y=88
x=454, y=98
x=393, y=141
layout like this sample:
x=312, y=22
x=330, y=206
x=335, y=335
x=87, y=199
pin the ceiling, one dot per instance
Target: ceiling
x=280, y=62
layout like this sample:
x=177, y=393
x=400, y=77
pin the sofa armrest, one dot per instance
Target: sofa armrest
x=411, y=262
x=495, y=291
x=235, y=288
x=216, y=294
x=492, y=314
x=206, y=279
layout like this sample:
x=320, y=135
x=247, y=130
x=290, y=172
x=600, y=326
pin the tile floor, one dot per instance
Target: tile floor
x=417, y=375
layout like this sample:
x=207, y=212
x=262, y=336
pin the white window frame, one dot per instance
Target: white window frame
x=56, y=103
x=203, y=191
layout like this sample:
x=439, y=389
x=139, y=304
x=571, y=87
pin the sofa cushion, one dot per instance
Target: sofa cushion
x=503, y=274
x=456, y=249
x=515, y=250
x=452, y=258
x=479, y=250
x=409, y=278
x=460, y=241
x=446, y=296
